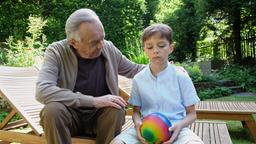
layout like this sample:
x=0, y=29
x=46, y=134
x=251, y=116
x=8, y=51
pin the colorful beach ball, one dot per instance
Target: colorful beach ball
x=155, y=128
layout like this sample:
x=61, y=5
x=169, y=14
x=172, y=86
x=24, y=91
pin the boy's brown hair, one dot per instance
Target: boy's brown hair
x=164, y=30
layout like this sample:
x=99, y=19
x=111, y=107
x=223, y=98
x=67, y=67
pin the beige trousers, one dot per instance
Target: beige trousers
x=186, y=136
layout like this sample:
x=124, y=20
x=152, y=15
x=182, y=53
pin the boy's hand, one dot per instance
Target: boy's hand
x=175, y=130
x=140, y=138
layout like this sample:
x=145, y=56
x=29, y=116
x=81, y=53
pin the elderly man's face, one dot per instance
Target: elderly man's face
x=91, y=40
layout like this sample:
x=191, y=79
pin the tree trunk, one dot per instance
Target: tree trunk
x=216, y=50
x=236, y=34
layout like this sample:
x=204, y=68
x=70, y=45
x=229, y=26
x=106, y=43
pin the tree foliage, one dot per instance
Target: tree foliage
x=186, y=24
x=24, y=52
x=238, y=14
x=122, y=19
x=14, y=17
x=205, y=28
x=150, y=12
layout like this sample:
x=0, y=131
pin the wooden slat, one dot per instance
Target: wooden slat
x=20, y=137
x=17, y=89
x=128, y=123
x=216, y=134
x=206, y=132
x=16, y=124
x=212, y=139
x=7, y=119
x=226, y=107
x=33, y=139
x=200, y=130
x=18, y=71
x=196, y=129
x=223, y=133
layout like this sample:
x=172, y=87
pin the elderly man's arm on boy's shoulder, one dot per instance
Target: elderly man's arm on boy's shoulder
x=180, y=69
x=120, y=62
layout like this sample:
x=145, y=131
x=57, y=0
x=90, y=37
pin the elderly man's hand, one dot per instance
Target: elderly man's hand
x=109, y=101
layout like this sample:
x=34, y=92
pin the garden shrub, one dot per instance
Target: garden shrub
x=135, y=52
x=14, y=118
x=214, y=93
x=194, y=71
x=139, y=58
x=23, y=52
x=245, y=77
x=3, y=115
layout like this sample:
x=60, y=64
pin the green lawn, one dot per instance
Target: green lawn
x=239, y=135
x=236, y=98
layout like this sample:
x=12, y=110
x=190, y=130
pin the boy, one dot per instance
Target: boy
x=161, y=88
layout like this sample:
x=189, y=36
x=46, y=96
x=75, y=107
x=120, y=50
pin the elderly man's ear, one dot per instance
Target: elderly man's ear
x=72, y=42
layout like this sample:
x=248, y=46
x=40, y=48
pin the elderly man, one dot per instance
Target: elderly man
x=78, y=83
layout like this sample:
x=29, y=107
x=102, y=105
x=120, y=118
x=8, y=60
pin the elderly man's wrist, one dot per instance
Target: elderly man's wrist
x=86, y=101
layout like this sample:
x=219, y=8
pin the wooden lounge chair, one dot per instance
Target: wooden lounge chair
x=214, y=110
x=20, y=91
x=18, y=71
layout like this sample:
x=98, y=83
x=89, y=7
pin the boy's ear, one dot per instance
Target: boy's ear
x=171, y=47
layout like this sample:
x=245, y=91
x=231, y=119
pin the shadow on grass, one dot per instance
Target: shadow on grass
x=239, y=135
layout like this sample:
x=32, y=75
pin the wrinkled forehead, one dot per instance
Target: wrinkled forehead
x=91, y=30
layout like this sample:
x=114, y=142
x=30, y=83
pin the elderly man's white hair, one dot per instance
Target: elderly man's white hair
x=75, y=19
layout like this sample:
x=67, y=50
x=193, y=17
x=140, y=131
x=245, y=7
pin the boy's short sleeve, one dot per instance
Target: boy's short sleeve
x=134, y=100
x=188, y=91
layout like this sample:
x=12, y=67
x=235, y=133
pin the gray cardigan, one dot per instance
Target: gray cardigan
x=58, y=73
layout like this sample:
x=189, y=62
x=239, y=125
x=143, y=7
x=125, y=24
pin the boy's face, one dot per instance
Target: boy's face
x=157, y=49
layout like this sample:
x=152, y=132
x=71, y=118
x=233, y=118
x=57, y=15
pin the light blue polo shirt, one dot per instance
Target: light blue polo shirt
x=168, y=93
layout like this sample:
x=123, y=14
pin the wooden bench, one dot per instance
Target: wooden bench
x=20, y=93
x=228, y=110
x=214, y=110
x=210, y=132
